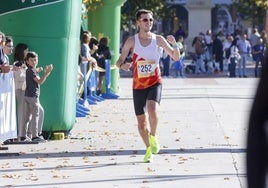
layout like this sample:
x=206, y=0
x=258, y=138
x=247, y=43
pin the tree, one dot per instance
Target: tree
x=128, y=10
x=252, y=10
x=92, y=4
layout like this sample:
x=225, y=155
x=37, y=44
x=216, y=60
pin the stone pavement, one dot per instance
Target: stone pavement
x=202, y=131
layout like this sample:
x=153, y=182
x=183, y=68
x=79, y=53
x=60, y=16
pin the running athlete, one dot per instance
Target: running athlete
x=145, y=47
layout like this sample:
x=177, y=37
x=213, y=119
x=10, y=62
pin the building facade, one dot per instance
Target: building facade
x=196, y=16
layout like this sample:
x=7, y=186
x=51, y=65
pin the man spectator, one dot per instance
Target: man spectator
x=180, y=32
x=244, y=48
x=4, y=65
x=254, y=37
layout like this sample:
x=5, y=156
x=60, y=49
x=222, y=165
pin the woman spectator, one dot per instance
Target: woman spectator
x=218, y=51
x=234, y=58
x=258, y=55
x=104, y=53
x=21, y=51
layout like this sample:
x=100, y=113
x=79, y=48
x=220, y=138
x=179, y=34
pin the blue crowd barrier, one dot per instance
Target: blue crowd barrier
x=92, y=85
x=90, y=96
x=82, y=109
x=108, y=92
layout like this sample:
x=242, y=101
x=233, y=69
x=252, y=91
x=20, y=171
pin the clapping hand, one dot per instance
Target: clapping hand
x=48, y=69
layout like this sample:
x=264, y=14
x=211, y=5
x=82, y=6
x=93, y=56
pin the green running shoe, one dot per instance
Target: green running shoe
x=154, y=144
x=148, y=157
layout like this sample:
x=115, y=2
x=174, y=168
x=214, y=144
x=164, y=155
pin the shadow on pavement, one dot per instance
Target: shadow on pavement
x=124, y=152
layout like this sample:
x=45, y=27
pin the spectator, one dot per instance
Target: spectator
x=32, y=93
x=93, y=46
x=254, y=37
x=104, y=53
x=165, y=59
x=258, y=55
x=226, y=48
x=21, y=51
x=264, y=38
x=180, y=70
x=6, y=47
x=85, y=56
x=180, y=32
x=200, y=48
x=221, y=36
x=209, y=43
x=85, y=49
x=218, y=52
x=2, y=44
x=234, y=58
x=244, y=48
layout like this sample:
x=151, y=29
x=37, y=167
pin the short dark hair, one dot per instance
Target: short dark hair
x=93, y=41
x=142, y=11
x=85, y=38
x=31, y=55
x=104, y=41
x=8, y=39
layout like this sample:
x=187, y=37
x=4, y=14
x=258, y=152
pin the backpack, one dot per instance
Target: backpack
x=228, y=52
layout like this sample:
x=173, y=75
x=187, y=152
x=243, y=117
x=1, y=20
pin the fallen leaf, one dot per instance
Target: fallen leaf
x=183, y=159
x=6, y=165
x=28, y=164
x=11, y=176
x=150, y=170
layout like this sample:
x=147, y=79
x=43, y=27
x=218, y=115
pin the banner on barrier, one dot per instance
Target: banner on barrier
x=10, y=7
x=8, y=125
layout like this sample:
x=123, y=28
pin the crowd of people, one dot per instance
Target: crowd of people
x=212, y=52
x=94, y=53
x=27, y=80
x=166, y=62
x=217, y=53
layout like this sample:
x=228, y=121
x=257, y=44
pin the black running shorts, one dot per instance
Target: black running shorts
x=140, y=96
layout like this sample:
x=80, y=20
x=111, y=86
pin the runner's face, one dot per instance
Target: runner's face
x=146, y=22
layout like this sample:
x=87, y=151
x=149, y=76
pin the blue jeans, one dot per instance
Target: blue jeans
x=199, y=66
x=242, y=70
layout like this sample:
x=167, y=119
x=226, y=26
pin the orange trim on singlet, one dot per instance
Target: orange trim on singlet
x=142, y=83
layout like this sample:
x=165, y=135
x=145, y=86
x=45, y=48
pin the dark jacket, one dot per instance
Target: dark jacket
x=105, y=51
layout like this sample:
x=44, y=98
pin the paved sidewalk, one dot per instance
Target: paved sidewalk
x=202, y=132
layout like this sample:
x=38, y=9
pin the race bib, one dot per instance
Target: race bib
x=146, y=68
